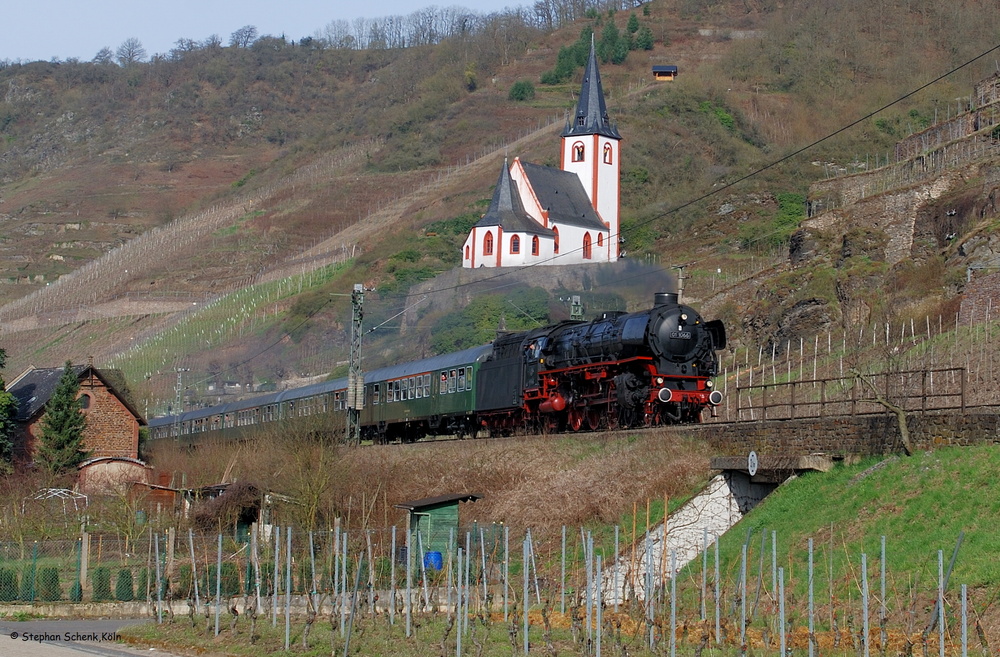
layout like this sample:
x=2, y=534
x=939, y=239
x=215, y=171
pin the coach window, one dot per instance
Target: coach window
x=468, y=377
x=427, y=385
x=461, y=379
x=375, y=395
x=418, y=381
x=451, y=381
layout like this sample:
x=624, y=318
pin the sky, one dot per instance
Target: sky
x=64, y=29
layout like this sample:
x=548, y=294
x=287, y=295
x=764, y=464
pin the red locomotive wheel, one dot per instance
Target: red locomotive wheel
x=575, y=419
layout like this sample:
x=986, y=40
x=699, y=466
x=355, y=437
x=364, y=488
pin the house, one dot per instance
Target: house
x=545, y=216
x=112, y=431
x=664, y=72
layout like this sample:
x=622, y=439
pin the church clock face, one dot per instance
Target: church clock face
x=752, y=463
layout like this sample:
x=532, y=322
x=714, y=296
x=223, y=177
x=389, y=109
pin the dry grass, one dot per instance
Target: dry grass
x=537, y=482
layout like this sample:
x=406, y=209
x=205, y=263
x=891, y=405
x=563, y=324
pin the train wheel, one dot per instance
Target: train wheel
x=575, y=419
x=593, y=419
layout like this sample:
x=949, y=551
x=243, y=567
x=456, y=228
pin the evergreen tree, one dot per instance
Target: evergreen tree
x=644, y=40
x=633, y=24
x=8, y=426
x=60, y=447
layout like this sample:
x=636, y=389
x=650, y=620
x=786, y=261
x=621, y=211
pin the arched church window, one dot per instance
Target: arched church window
x=515, y=244
x=555, y=241
x=600, y=239
x=578, y=151
x=608, y=154
x=586, y=246
x=534, y=245
x=466, y=252
x=488, y=243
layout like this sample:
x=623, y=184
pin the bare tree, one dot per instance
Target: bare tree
x=243, y=37
x=130, y=52
x=104, y=56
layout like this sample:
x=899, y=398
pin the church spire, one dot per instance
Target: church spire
x=591, y=116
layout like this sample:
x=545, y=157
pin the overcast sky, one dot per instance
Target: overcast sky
x=46, y=29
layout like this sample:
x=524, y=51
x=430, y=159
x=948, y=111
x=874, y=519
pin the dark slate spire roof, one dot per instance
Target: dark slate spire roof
x=507, y=211
x=562, y=195
x=591, y=117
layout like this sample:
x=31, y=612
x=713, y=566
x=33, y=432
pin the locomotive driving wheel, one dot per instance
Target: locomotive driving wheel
x=575, y=419
x=593, y=418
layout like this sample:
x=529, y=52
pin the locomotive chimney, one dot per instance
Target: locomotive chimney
x=665, y=299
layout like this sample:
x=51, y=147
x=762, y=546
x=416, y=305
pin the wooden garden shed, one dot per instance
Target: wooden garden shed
x=434, y=522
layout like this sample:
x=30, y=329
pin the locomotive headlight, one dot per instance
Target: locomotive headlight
x=684, y=317
x=659, y=380
x=709, y=384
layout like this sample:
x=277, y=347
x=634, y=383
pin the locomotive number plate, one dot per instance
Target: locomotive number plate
x=680, y=335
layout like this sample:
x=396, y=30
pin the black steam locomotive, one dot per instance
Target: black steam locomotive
x=621, y=370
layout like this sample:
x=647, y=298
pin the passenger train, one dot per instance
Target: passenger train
x=647, y=368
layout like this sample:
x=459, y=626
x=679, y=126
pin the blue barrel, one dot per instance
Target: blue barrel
x=433, y=561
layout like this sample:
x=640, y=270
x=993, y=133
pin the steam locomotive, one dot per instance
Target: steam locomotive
x=620, y=370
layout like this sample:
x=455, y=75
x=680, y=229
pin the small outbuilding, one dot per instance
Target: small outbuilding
x=662, y=72
x=434, y=521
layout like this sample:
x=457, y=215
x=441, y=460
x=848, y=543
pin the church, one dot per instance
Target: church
x=545, y=216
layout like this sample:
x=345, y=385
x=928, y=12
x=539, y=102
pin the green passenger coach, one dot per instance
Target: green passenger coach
x=429, y=397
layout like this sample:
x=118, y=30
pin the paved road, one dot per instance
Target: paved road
x=67, y=638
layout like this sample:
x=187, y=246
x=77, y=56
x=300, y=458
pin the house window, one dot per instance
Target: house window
x=534, y=245
x=555, y=241
x=85, y=401
x=515, y=244
x=578, y=151
x=488, y=244
x=608, y=154
x=586, y=247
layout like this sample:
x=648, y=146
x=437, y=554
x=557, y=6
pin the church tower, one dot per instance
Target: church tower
x=591, y=150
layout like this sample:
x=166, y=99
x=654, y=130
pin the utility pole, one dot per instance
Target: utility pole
x=355, y=377
x=680, y=281
x=179, y=391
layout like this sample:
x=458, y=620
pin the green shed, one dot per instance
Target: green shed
x=434, y=520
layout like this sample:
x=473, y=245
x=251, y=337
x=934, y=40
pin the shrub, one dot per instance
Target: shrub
x=521, y=90
x=143, y=587
x=8, y=585
x=49, y=589
x=124, y=589
x=28, y=584
x=230, y=580
x=102, y=584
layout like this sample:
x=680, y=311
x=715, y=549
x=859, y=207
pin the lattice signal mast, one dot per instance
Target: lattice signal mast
x=355, y=377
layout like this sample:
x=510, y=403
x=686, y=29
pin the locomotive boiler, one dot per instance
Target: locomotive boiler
x=619, y=370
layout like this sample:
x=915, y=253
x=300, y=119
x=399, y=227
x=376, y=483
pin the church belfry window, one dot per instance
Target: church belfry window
x=578, y=151
x=608, y=154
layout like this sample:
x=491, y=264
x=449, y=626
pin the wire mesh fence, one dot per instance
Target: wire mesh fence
x=634, y=589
